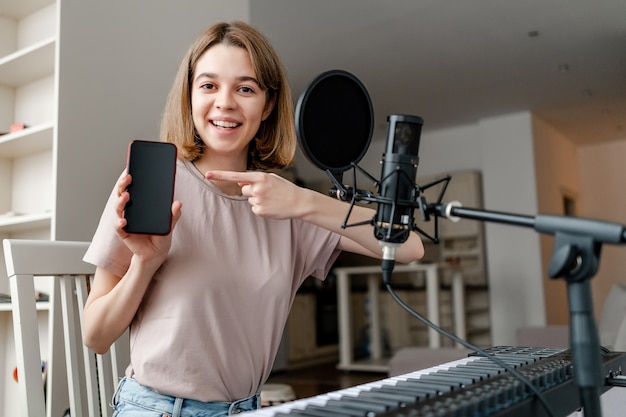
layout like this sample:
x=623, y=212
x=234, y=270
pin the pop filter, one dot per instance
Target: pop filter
x=334, y=121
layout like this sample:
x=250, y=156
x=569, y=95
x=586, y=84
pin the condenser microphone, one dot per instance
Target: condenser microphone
x=397, y=190
x=335, y=123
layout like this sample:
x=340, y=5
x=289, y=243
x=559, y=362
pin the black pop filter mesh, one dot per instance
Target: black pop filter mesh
x=334, y=121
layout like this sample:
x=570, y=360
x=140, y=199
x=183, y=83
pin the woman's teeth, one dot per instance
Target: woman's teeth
x=222, y=123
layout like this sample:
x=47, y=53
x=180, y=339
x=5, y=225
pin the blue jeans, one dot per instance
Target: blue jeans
x=133, y=399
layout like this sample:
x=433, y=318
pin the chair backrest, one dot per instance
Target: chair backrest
x=79, y=380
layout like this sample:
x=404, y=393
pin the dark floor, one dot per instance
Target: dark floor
x=319, y=379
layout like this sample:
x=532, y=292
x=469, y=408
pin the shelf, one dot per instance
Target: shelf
x=28, y=64
x=461, y=253
x=27, y=142
x=23, y=222
x=376, y=361
x=17, y=10
x=479, y=330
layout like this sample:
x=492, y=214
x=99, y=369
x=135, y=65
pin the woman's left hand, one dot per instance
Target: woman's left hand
x=273, y=196
x=269, y=195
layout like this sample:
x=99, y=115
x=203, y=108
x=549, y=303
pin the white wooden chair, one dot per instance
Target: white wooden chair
x=88, y=381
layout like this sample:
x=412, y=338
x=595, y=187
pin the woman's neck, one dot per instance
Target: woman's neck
x=230, y=188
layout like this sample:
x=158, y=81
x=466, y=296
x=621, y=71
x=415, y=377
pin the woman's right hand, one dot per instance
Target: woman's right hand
x=113, y=300
x=149, y=248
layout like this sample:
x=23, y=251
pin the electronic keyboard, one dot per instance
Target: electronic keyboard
x=474, y=386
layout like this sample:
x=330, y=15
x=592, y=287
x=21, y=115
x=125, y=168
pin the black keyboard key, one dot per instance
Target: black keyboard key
x=337, y=410
x=435, y=387
x=374, y=406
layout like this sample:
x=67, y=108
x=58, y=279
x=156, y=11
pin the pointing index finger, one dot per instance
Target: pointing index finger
x=232, y=176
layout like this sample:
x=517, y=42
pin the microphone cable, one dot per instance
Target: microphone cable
x=387, y=269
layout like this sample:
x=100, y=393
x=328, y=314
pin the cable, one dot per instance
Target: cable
x=387, y=270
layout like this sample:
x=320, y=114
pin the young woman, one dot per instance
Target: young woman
x=207, y=304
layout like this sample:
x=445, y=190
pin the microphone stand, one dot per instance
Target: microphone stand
x=576, y=257
x=577, y=246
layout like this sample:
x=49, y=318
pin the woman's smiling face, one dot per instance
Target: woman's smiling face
x=227, y=102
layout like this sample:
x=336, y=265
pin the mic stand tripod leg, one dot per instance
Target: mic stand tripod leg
x=376, y=344
x=576, y=260
x=585, y=347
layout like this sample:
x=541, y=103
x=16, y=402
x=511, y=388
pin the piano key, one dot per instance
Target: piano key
x=338, y=410
x=335, y=398
x=303, y=413
x=376, y=407
x=435, y=387
x=292, y=406
x=489, y=364
x=454, y=378
x=393, y=399
x=517, y=357
x=313, y=410
x=417, y=394
x=512, y=361
x=492, y=369
x=441, y=379
x=472, y=377
x=380, y=399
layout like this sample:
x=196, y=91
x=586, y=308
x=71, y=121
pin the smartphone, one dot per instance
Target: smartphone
x=152, y=166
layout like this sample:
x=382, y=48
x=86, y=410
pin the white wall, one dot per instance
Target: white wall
x=513, y=253
x=558, y=175
x=603, y=176
x=502, y=149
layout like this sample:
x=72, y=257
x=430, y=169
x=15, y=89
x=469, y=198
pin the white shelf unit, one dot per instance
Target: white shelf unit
x=28, y=41
x=85, y=89
x=459, y=287
x=463, y=244
x=27, y=95
x=26, y=142
x=384, y=314
x=29, y=63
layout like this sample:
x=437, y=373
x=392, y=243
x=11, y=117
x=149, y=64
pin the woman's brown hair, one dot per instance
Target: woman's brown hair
x=275, y=142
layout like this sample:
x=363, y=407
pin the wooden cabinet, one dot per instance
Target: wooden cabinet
x=301, y=328
x=301, y=333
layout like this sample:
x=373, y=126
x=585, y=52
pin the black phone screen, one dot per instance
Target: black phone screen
x=152, y=166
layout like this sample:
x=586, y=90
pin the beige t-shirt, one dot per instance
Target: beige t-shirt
x=210, y=323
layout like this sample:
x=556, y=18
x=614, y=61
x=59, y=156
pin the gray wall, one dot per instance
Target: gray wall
x=117, y=62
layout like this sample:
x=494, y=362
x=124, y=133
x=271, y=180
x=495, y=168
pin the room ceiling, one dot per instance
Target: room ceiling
x=455, y=62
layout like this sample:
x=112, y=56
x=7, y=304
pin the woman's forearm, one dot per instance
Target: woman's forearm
x=113, y=302
x=329, y=213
